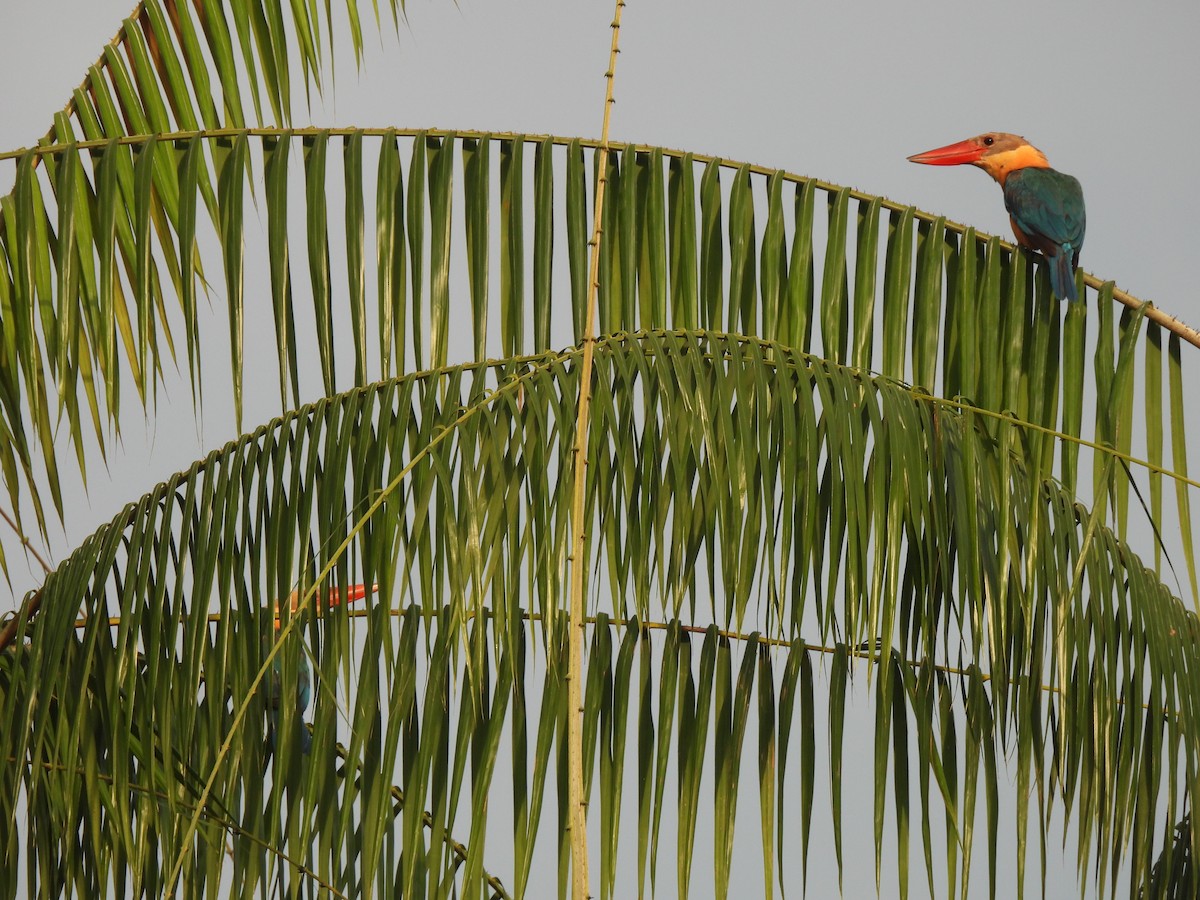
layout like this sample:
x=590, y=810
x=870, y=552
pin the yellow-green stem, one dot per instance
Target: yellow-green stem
x=579, y=547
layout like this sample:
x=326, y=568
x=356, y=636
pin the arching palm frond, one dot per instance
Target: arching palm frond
x=736, y=483
x=100, y=268
x=901, y=292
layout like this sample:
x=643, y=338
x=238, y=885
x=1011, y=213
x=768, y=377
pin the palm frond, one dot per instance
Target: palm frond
x=959, y=314
x=123, y=224
x=822, y=508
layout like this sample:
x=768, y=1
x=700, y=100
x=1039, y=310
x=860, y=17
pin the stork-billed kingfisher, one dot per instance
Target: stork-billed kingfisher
x=304, y=681
x=1045, y=206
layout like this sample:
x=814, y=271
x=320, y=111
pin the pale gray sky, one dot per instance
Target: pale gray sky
x=843, y=92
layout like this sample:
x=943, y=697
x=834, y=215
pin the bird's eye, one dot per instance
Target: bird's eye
x=988, y=141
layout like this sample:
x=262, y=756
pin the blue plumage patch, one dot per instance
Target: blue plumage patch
x=1048, y=216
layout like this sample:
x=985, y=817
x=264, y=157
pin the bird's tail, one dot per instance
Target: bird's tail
x=1062, y=273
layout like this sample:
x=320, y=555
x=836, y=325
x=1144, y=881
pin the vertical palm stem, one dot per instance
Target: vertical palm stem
x=579, y=555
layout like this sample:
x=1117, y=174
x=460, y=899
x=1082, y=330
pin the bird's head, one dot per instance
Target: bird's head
x=996, y=152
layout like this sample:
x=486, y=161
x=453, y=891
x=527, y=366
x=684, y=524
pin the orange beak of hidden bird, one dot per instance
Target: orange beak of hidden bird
x=334, y=597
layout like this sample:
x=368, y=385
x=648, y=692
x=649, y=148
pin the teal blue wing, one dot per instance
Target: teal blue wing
x=1047, y=214
x=1048, y=205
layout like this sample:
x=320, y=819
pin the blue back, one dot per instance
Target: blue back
x=1047, y=204
x=1047, y=207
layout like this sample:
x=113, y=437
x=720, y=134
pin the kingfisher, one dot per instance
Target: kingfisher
x=1045, y=206
x=304, y=680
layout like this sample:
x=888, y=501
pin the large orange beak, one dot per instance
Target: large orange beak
x=950, y=155
x=334, y=597
x=350, y=594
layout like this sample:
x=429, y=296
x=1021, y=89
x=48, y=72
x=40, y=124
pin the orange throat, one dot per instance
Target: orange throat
x=1001, y=165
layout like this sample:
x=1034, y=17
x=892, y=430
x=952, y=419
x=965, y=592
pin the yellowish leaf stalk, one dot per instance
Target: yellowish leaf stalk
x=579, y=556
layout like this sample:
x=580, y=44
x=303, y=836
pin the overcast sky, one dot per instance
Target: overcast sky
x=843, y=92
